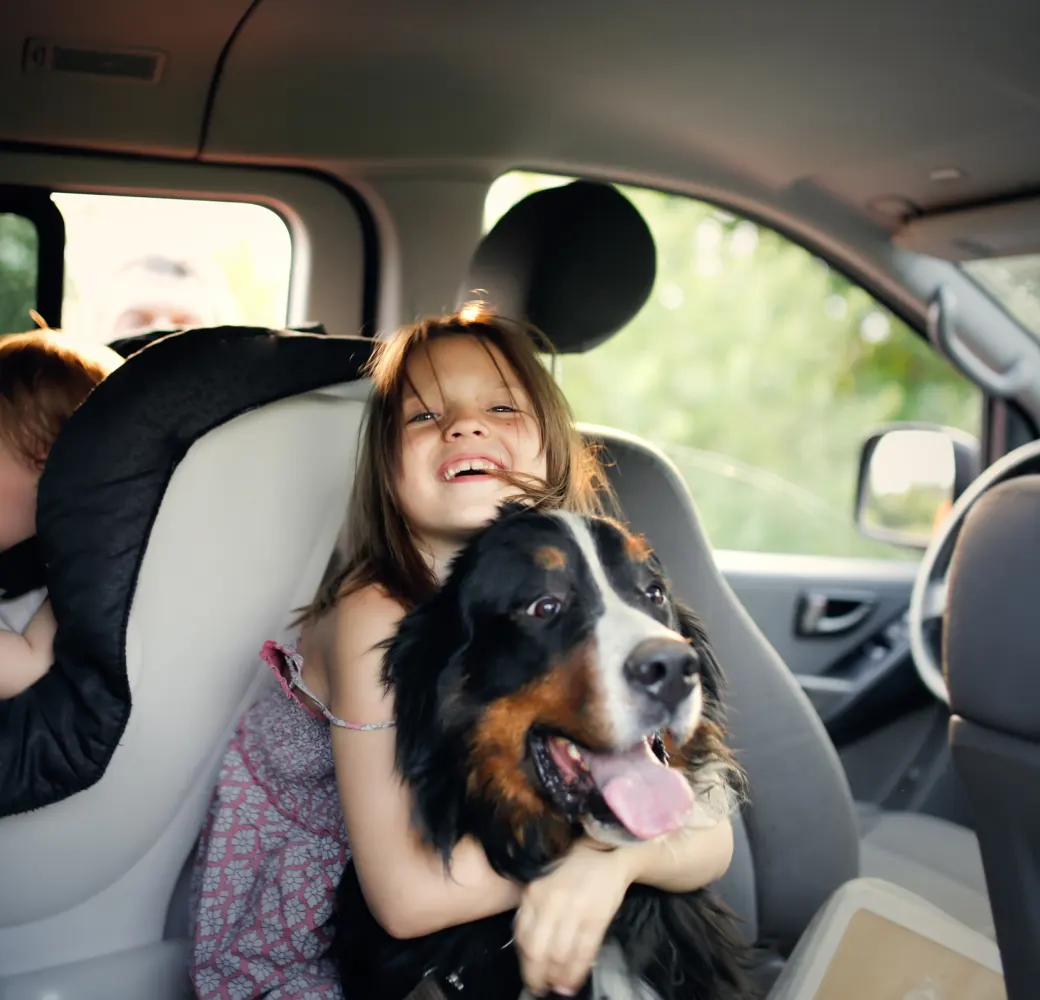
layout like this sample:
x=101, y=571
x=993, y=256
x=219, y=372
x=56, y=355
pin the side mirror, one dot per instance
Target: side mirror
x=909, y=477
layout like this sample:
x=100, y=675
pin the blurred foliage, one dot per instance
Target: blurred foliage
x=18, y=250
x=760, y=371
x=915, y=512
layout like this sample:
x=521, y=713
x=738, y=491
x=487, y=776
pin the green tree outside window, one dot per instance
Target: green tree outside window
x=18, y=257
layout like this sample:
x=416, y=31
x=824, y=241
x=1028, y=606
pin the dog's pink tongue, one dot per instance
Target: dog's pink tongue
x=648, y=798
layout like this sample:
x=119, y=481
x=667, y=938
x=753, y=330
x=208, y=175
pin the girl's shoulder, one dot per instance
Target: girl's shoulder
x=362, y=622
x=355, y=616
x=368, y=610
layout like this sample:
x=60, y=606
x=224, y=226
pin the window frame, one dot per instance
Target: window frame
x=35, y=204
x=334, y=230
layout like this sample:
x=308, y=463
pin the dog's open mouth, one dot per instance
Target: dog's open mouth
x=633, y=789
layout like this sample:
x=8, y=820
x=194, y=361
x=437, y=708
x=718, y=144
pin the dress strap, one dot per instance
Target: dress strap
x=288, y=667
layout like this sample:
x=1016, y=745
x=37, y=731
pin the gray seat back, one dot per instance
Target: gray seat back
x=800, y=820
x=992, y=651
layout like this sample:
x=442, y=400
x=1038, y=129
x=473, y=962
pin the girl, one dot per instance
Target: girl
x=462, y=392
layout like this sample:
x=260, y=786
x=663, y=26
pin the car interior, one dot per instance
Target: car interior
x=347, y=168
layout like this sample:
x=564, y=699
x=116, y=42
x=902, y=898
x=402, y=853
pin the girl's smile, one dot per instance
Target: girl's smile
x=469, y=468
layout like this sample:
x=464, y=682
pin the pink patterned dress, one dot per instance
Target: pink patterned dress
x=272, y=851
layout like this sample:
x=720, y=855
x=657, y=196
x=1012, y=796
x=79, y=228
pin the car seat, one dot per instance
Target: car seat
x=189, y=505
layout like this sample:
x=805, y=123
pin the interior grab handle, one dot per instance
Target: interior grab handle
x=1018, y=376
x=832, y=613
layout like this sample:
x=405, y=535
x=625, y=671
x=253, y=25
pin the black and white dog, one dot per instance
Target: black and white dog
x=553, y=686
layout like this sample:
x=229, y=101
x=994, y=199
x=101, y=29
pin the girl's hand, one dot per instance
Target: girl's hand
x=564, y=916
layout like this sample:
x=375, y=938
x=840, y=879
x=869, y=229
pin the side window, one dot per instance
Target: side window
x=135, y=264
x=759, y=370
x=32, y=240
x=19, y=255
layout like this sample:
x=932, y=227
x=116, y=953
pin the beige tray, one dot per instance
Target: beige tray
x=876, y=941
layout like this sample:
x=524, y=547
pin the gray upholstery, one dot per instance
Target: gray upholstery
x=737, y=886
x=157, y=971
x=803, y=828
x=992, y=656
x=800, y=820
x=931, y=857
x=992, y=617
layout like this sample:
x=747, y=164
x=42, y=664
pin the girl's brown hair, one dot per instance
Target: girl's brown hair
x=378, y=547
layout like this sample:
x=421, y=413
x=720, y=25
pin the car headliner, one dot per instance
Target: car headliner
x=861, y=103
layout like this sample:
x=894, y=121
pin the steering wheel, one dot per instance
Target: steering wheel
x=928, y=598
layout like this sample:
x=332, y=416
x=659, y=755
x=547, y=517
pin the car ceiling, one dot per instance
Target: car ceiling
x=863, y=104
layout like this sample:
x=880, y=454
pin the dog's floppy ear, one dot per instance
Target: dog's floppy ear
x=718, y=780
x=693, y=631
x=423, y=666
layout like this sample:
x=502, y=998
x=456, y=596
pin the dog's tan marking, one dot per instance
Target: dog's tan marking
x=550, y=557
x=709, y=765
x=564, y=699
x=637, y=548
x=707, y=741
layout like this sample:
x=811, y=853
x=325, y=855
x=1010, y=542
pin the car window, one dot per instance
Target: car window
x=19, y=244
x=135, y=264
x=1014, y=282
x=759, y=370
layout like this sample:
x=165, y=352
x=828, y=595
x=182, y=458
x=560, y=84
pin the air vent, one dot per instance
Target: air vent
x=128, y=65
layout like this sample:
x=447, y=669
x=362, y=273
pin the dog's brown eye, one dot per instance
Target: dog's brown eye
x=655, y=593
x=545, y=607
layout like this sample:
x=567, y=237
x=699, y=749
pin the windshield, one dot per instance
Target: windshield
x=1014, y=282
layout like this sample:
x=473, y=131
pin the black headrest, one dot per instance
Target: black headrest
x=991, y=638
x=126, y=347
x=576, y=261
x=99, y=496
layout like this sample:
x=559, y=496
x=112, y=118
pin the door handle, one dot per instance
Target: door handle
x=831, y=613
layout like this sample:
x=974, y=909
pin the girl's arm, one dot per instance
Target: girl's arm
x=565, y=915
x=24, y=659
x=682, y=861
x=404, y=880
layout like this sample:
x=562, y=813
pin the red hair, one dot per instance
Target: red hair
x=44, y=377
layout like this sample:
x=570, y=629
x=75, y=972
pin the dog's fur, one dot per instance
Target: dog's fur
x=480, y=677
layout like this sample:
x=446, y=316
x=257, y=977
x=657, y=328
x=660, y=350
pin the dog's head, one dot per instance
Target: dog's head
x=553, y=683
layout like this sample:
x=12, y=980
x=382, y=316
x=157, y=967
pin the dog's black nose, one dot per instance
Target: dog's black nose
x=664, y=669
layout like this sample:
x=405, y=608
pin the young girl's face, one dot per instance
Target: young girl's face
x=464, y=411
x=18, y=482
